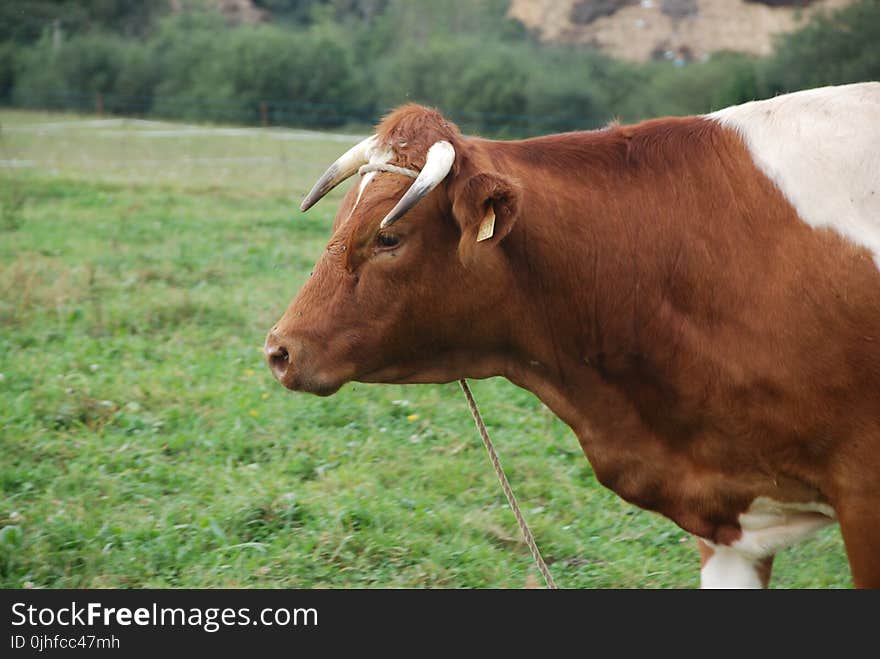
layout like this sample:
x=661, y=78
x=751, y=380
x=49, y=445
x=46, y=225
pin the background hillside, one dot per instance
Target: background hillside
x=684, y=30
x=635, y=30
x=495, y=66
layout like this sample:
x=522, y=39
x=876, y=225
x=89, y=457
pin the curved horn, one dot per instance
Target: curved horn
x=347, y=165
x=438, y=162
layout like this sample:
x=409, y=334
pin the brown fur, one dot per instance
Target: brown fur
x=650, y=285
x=411, y=130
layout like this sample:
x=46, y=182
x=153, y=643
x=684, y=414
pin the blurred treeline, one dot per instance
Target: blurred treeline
x=332, y=63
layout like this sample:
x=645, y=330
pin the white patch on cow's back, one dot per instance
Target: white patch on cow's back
x=822, y=149
x=767, y=527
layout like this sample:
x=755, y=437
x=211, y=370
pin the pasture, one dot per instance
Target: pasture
x=143, y=442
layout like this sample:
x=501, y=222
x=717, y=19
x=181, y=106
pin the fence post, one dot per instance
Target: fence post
x=99, y=104
x=264, y=114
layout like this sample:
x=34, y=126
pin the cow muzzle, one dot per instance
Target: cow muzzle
x=287, y=361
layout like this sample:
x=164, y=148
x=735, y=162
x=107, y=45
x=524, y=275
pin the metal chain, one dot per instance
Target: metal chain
x=493, y=456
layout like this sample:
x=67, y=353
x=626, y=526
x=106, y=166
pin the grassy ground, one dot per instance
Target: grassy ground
x=143, y=443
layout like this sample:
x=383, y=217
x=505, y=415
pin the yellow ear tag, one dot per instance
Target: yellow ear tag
x=487, y=228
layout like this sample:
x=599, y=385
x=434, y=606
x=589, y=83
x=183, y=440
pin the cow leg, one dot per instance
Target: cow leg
x=860, y=527
x=722, y=566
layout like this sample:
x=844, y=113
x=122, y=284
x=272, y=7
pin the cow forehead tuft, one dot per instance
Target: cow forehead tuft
x=411, y=129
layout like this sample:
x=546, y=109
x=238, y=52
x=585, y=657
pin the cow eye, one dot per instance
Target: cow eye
x=387, y=240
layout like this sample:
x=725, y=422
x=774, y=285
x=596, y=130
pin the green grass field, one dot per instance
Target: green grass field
x=143, y=442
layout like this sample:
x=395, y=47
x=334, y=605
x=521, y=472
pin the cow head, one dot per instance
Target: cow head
x=414, y=282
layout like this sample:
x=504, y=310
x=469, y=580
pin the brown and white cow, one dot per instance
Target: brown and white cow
x=697, y=298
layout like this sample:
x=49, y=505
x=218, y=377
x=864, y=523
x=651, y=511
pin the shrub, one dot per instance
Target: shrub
x=341, y=65
x=7, y=71
x=306, y=76
x=71, y=74
x=830, y=50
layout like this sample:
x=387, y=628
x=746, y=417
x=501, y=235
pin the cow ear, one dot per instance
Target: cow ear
x=486, y=207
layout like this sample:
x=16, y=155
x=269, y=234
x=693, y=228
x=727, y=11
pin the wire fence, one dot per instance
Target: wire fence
x=284, y=112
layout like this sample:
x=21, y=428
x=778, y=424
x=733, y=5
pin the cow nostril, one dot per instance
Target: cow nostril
x=278, y=357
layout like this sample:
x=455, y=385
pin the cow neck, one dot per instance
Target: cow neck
x=577, y=313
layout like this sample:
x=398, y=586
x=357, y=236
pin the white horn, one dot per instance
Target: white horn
x=438, y=162
x=346, y=166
